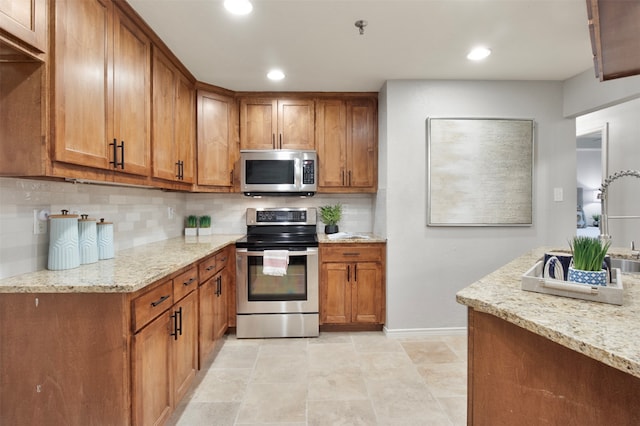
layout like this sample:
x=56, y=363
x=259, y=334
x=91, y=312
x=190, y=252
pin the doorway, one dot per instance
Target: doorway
x=591, y=156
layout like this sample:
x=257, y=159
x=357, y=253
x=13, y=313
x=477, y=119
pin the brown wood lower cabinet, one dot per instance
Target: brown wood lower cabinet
x=78, y=359
x=214, y=298
x=352, y=283
x=519, y=377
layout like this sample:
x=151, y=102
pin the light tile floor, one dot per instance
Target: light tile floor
x=358, y=378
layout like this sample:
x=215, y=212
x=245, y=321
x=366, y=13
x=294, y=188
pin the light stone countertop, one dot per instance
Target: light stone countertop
x=129, y=271
x=358, y=237
x=607, y=333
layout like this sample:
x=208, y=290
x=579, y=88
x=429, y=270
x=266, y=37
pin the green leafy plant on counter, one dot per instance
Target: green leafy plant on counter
x=596, y=218
x=205, y=221
x=588, y=253
x=331, y=215
x=192, y=221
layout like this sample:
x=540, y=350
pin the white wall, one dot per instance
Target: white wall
x=428, y=265
x=624, y=154
x=584, y=93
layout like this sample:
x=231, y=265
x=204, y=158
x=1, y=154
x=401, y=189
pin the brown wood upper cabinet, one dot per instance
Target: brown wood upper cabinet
x=615, y=37
x=173, y=122
x=25, y=20
x=347, y=145
x=267, y=123
x=101, y=98
x=217, y=147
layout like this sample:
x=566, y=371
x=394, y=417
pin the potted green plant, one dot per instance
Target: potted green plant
x=330, y=216
x=191, y=226
x=204, y=225
x=596, y=219
x=588, y=259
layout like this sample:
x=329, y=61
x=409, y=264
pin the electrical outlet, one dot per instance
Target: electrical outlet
x=558, y=194
x=40, y=221
x=171, y=213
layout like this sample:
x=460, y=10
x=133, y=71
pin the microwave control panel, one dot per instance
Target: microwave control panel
x=308, y=172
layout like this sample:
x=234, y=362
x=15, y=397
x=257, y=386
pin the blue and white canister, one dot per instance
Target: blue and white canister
x=88, y=239
x=105, y=240
x=63, y=242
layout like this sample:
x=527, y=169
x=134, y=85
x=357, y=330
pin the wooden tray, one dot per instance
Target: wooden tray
x=612, y=293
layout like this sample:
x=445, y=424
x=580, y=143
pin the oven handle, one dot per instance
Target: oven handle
x=310, y=251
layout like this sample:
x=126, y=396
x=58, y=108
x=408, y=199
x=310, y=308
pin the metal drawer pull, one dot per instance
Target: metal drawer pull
x=159, y=301
x=348, y=273
x=351, y=253
x=208, y=268
x=186, y=283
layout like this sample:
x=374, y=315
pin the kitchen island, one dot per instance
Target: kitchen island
x=543, y=359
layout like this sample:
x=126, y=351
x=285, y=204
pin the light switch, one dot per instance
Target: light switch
x=558, y=194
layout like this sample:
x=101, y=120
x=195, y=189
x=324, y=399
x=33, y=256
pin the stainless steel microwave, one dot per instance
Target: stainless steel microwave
x=278, y=172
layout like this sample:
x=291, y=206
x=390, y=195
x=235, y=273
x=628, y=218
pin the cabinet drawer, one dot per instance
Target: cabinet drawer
x=207, y=268
x=352, y=252
x=151, y=304
x=222, y=257
x=184, y=283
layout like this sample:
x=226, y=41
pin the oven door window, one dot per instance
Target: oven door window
x=269, y=288
x=270, y=172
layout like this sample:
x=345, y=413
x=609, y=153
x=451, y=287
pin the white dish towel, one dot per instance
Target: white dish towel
x=275, y=262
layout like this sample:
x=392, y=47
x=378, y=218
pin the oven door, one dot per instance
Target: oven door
x=294, y=292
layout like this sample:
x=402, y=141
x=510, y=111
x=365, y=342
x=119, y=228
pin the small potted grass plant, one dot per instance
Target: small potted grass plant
x=191, y=226
x=330, y=216
x=588, y=260
x=204, y=225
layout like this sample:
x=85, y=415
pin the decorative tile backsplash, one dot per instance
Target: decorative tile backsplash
x=140, y=215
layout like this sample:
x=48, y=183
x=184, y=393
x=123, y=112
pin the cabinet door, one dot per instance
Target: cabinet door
x=215, y=148
x=258, y=123
x=185, y=135
x=152, y=390
x=81, y=96
x=26, y=20
x=362, y=155
x=296, y=124
x=207, y=311
x=336, y=306
x=331, y=139
x=185, y=346
x=131, y=94
x=163, y=119
x=220, y=309
x=366, y=294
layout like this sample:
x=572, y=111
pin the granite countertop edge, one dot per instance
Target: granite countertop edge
x=359, y=237
x=600, y=331
x=130, y=270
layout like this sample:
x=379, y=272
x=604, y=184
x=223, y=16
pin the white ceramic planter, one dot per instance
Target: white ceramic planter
x=204, y=231
x=191, y=232
x=588, y=277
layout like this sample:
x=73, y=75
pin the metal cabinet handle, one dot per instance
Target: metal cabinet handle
x=115, y=153
x=177, y=323
x=186, y=283
x=121, y=155
x=349, y=177
x=280, y=140
x=351, y=253
x=210, y=267
x=348, y=273
x=159, y=301
x=355, y=272
x=273, y=140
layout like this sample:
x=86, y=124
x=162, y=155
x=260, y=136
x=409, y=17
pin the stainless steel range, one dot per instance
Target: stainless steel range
x=277, y=274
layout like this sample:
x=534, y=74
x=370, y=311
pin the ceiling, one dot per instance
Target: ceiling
x=317, y=45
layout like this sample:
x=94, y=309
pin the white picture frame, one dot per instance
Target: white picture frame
x=480, y=171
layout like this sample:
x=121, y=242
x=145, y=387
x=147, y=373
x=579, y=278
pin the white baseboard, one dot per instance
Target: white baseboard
x=424, y=332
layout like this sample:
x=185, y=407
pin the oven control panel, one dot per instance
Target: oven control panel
x=283, y=216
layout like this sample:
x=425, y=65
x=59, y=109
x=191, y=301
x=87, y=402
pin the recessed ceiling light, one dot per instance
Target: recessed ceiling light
x=479, y=53
x=238, y=7
x=275, y=75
